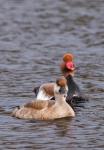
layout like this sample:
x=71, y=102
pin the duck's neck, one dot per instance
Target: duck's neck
x=70, y=73
x=60, y=99
x=69, y=79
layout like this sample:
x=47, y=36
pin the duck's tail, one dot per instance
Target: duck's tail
x=15, y=110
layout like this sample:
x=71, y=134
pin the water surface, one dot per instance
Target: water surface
x=34, y=35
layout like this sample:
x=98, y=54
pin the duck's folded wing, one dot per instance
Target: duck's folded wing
x=37, y=104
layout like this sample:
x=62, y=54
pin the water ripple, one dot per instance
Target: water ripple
x=34, y=35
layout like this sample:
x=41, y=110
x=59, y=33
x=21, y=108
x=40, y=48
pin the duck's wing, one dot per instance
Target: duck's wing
x=49, y=88
x=46, y=91
x=39, y=104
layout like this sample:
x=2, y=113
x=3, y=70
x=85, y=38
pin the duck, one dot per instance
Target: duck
x=67, y=67
x=48, y=109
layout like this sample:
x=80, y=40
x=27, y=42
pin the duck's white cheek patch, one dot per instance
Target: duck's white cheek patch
x=42, y=96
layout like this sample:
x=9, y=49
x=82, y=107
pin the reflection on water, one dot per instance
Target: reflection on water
x=34, y=35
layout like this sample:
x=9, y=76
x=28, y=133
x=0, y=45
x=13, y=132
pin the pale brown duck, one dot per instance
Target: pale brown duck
x=48, y=109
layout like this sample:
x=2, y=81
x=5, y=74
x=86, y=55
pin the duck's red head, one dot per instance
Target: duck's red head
x=67, y=66
x=68, y=57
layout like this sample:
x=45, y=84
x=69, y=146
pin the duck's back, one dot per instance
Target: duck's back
x=32, y=110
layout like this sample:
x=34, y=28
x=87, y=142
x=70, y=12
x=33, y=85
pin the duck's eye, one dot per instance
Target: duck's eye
x=62, y=90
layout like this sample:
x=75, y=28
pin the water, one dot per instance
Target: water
x=34, y=35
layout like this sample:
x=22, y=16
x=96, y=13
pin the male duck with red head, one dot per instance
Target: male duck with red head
x=67, y=67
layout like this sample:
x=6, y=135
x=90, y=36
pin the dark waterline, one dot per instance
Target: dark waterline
x=34, y=35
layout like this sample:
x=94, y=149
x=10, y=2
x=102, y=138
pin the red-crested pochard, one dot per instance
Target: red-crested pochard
x=45, y=91
x=48, y=109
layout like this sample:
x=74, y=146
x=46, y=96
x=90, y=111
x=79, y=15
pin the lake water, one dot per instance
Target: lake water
x=34, y=35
